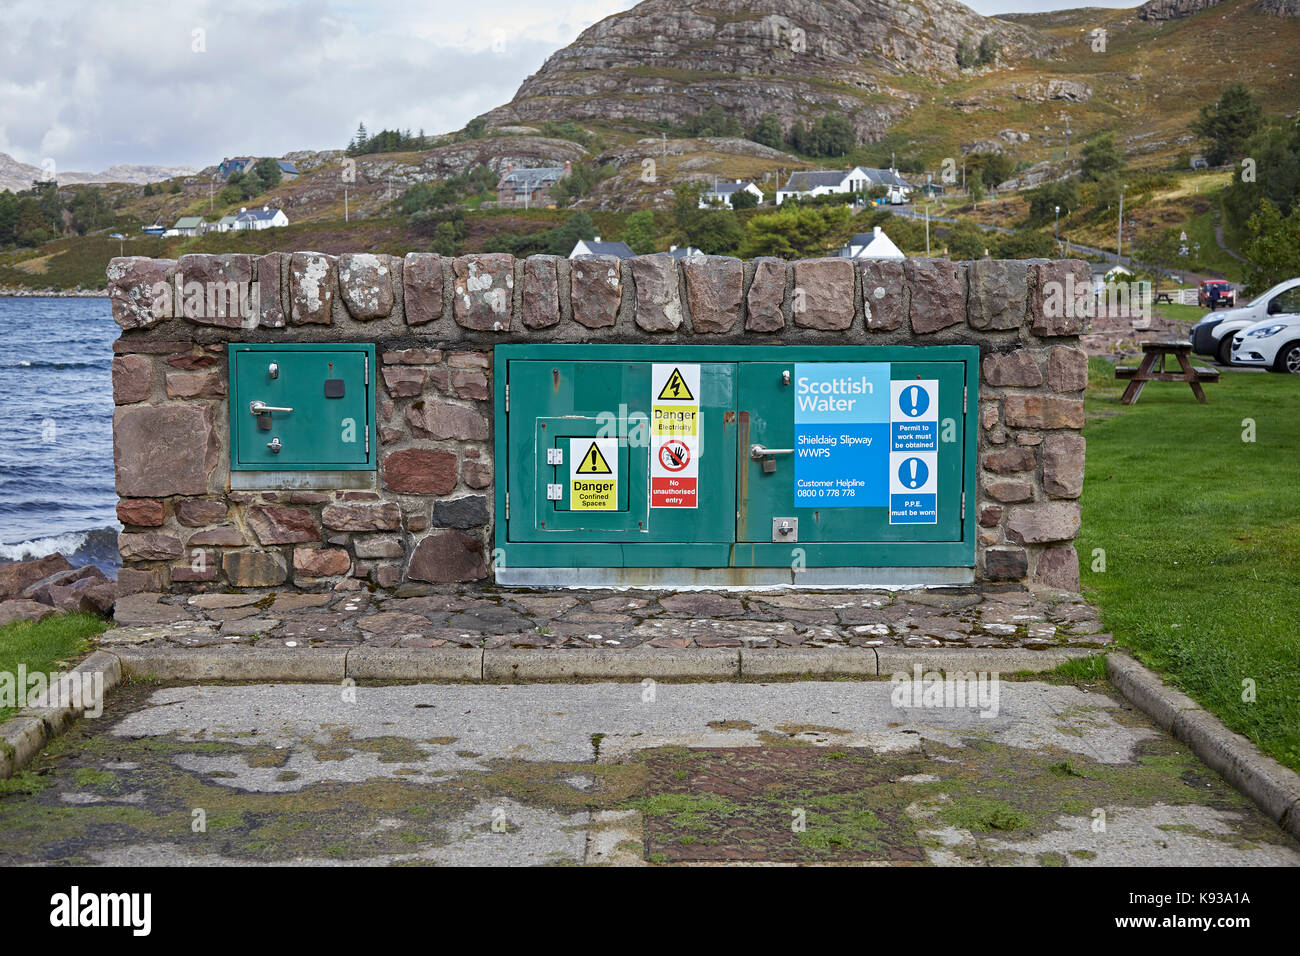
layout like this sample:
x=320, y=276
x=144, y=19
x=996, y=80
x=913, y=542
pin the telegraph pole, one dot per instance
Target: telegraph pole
x=1119, y=228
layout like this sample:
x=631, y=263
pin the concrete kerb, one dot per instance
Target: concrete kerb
x=1273, y=787
x=22, y=737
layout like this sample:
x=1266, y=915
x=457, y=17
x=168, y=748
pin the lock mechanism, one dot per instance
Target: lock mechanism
x=274, y=445
x=785, y=530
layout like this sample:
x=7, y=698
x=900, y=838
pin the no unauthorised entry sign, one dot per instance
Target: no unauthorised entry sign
x=674, y=429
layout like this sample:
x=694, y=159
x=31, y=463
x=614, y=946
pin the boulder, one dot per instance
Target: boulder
x=17, y=577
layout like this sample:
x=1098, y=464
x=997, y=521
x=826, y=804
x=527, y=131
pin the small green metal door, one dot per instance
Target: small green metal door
x=317, y=405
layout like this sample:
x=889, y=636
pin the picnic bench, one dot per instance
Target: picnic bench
x=1152, y=369
x=1165, y=297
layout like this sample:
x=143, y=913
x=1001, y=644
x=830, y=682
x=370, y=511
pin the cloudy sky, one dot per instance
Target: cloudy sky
x=187, y=82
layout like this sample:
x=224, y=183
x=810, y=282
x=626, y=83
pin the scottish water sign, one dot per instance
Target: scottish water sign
x=841, y=434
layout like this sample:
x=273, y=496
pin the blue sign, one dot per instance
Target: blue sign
x=841, y=428
x=913, y=473
x=913, y=401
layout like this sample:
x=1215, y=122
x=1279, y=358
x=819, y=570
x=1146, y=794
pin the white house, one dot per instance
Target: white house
x=720, y=194
x=594, y=247
x=225, y=224
x=821, y=182
x=683, y=252
x=262, y=218
x=871, y=245
x=186, y=226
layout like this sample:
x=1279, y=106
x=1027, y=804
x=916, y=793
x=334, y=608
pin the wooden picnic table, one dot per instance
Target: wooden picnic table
x=1152, y=369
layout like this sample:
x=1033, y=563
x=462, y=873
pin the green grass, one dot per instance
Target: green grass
x=43, y=646
x=1201, y=538
x=1181, y=313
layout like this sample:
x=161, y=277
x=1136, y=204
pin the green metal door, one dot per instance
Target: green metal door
x=559, y=409
x=839, y=433
x=319, y=407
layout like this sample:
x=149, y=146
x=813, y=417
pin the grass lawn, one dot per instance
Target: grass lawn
x=45, y=646
x=1201, y=534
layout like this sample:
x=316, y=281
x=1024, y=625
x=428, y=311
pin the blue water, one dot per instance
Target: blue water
x=56, y=430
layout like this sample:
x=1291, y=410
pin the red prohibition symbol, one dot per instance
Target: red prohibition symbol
x=674, y=455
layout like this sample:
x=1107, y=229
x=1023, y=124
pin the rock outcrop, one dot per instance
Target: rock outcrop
x=1159, y=10
x=665, y=60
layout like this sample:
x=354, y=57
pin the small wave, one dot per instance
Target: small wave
x=98, y=364
x=97, y=546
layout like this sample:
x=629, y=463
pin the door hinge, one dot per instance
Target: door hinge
x=963, y=398
x=507, y=506
x=507, y=398
x=365, y=369
x=963, y=504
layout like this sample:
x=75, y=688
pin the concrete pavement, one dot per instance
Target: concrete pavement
x=812, y=772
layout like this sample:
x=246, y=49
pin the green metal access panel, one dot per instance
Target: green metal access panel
x=707, y=464
x=302, y=407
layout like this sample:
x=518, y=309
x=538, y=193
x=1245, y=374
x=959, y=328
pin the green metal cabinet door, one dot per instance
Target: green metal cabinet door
x=562, y=407
x=327, y=392
x=851, y=452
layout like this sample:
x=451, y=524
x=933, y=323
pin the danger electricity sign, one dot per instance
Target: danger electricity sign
x=674, y=431
x=675, y=400
x=593, y=474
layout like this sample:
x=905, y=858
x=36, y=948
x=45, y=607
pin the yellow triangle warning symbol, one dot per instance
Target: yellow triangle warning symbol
x=675, y=389
x=594, y=463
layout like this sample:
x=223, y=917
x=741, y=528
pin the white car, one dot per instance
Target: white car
x=1273, y=343
x=1214, y=334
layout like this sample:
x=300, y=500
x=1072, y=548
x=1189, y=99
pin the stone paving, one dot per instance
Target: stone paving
x=473, y=617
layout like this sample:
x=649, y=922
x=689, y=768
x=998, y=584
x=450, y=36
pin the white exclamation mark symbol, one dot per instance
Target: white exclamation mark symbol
x=912, y=465
x=913, y=392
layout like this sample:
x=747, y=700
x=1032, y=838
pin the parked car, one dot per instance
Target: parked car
x=1213, y=335
x=1273, y=343
x=1227, y=294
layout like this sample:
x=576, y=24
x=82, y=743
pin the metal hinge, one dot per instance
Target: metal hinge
x=507, y=398
x=507, y=506
x=365, y=366
x=963, y=503
x=963, y=399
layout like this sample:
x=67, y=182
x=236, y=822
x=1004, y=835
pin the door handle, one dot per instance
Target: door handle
x=759, y=452
x=261, y=408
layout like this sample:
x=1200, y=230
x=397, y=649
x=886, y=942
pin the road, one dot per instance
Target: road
x=627, y=773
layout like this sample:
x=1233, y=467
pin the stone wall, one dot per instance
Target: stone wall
x=434, y=321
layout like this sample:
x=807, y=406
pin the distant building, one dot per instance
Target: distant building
x=683, y=252
x=529, y=186
x=594, y=247
x=720, y=193
x=871, y=245
x=187, y=226
x=809, y=183
x=225, y=224
x=263, y=217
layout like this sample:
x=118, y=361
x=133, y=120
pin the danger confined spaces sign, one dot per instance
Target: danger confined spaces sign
x=674, y=435
x=593, y=474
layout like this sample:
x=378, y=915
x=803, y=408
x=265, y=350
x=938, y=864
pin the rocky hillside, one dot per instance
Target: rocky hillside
x=15, y=175
x=665, y=60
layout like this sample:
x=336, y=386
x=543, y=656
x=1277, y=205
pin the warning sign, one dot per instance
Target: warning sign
x=675, y=400
x=675, y=389
x=594, y=463
x=593, y=474
x=674, y=475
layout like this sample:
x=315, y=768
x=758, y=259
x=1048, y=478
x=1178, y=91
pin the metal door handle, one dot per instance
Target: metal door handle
x=261, y=408
x=274, y=445
x=759, y=452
